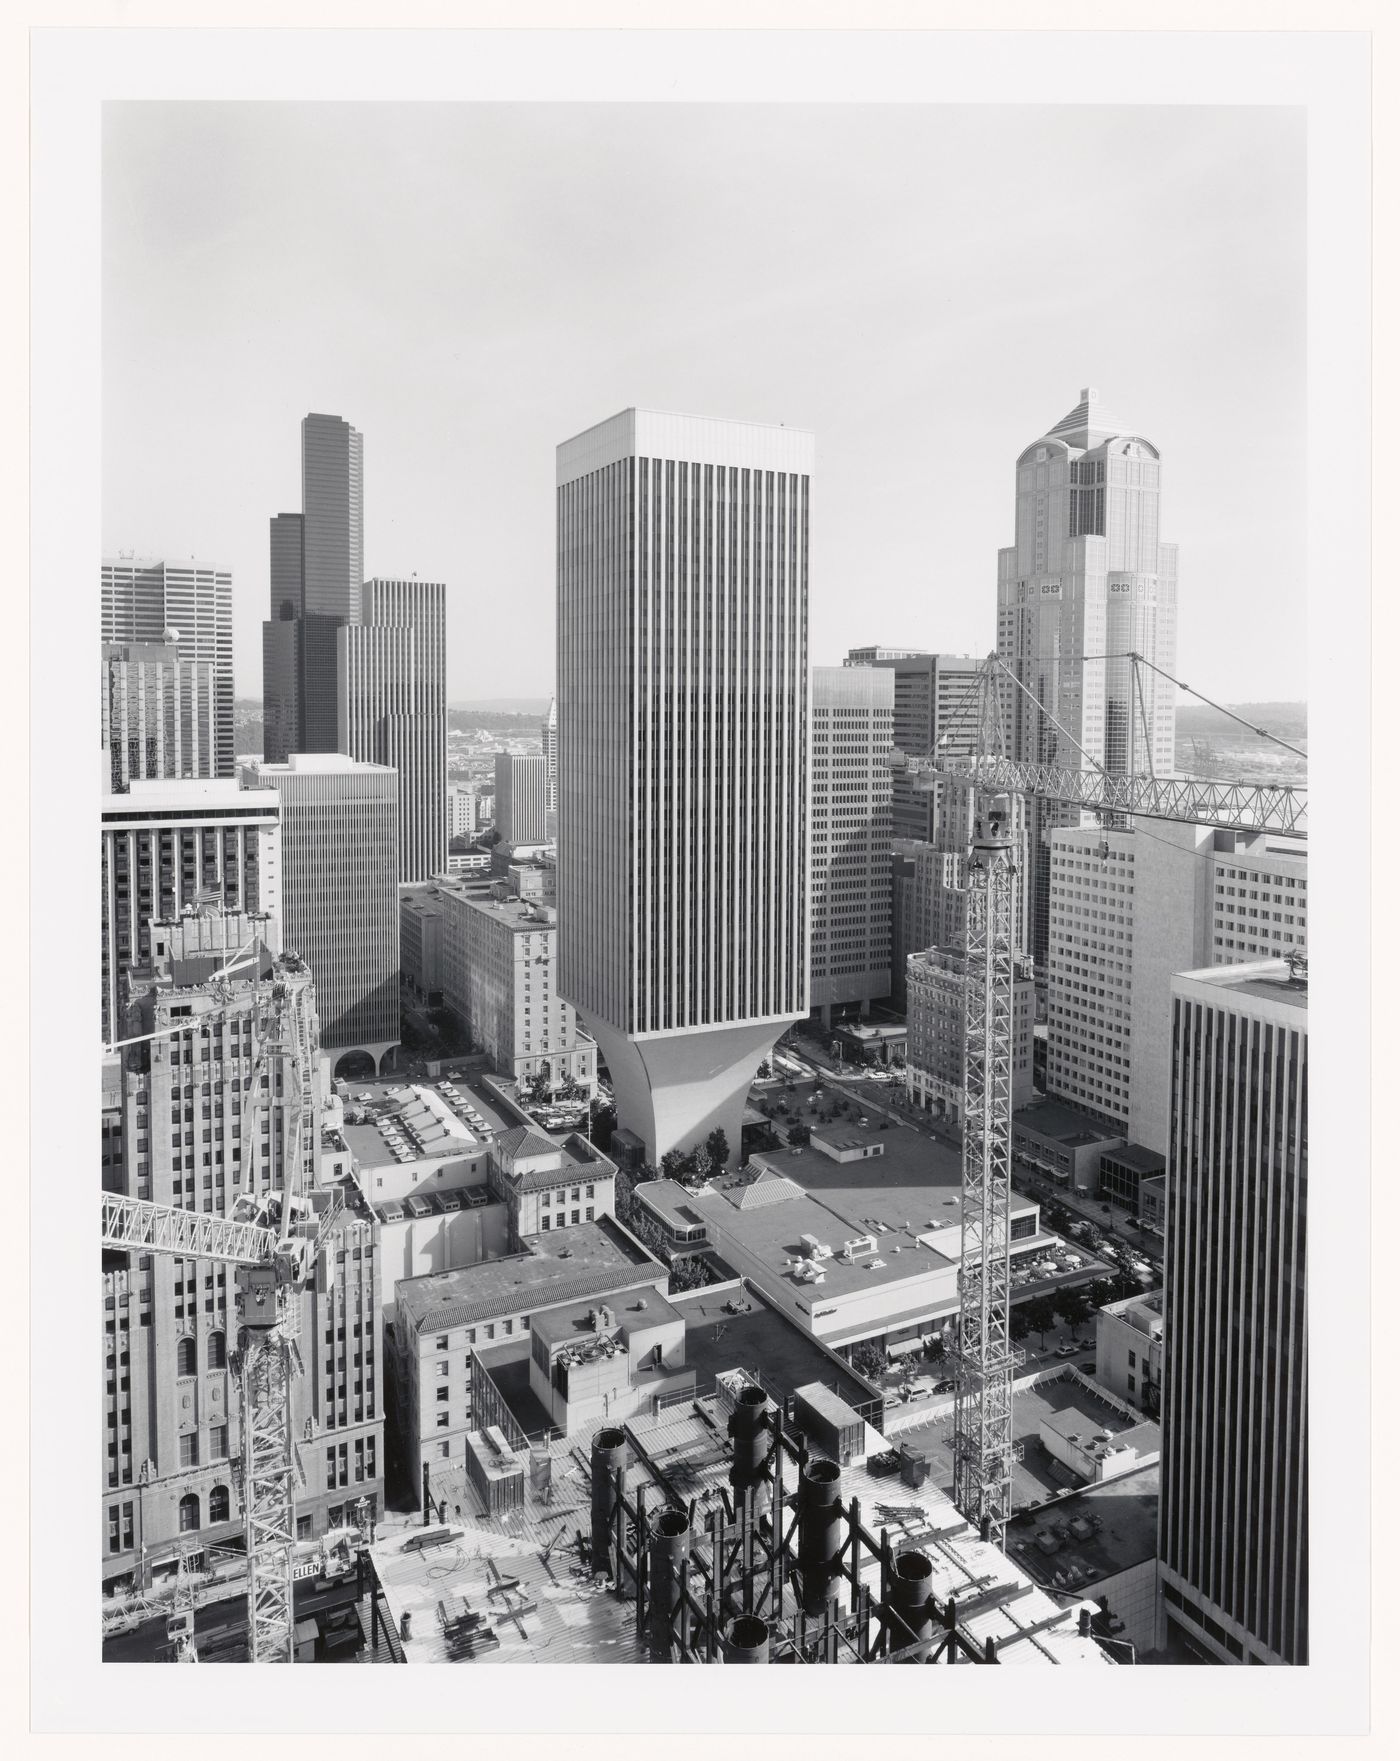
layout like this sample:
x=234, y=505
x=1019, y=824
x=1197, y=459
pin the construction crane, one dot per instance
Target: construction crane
x=272, y=1239
x=984, y=1450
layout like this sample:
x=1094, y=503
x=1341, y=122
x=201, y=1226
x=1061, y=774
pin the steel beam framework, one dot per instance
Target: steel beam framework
x=136, y=1224
x=269, y=1494
x=983, y=1448
x=1234, y=806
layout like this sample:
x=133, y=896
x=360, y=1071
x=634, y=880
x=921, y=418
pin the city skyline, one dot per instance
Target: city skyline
x=911, y=429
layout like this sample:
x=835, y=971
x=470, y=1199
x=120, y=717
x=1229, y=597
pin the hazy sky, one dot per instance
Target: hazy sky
x=926, y=288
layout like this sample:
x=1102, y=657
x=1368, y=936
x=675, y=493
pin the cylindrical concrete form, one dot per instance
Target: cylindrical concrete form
x=910, y=1592
x=750, y=1427
x=609, y=1459
x=746, y=1640
x=818, y=1532
x=670, y=1538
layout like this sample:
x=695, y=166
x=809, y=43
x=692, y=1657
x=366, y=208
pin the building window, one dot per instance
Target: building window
x=189, y=1449
x=218, y=1505
x=217, y=1357
x=186, y=1357
x=218, y=1442
x=303, y=1528
x=189, y=1513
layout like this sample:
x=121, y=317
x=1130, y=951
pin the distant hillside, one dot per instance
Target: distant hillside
x=1287, y=719
x=493, y=706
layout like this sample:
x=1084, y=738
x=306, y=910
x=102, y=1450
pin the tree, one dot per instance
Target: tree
x=1073, y=1307
x=718, y=1146
x=868, y=1360
x=704, y=1165
x=690, y=1273
x=1040, y=1315
x=798, y=1135
x=671, y=1165
x=765, y=1070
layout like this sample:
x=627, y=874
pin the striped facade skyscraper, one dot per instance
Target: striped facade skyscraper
x=522, y=795
x=1087, y=577
x=392, y=677
x=143, y=601
x=683, y=722
x=549, y=747
x=316, y=572
x=1233, y=1518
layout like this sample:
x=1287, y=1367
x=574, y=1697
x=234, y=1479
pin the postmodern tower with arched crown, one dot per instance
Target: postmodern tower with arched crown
x=1087, y=577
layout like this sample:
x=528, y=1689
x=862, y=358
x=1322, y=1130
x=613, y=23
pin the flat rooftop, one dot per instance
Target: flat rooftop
x=671, y=1200
x=733, y=1328
x=1076, y=1421
x=1037, y=1477
x=408, y=1123
x=566, y=1265
x=773, y=1233
x=1135, y=1157
x=1062, y=1124
x=640, y=1311
x=1090, y=1535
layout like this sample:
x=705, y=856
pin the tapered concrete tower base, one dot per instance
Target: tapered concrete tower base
x=673, y=1089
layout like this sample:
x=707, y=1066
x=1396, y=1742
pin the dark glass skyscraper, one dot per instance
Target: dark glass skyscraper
x=316, y=571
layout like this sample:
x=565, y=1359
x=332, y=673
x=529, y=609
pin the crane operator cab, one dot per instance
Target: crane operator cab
x=992, y=829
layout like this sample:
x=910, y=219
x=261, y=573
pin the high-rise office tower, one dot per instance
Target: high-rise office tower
x=933, y=698
x=392, y=679
x=316, y=566
x=143, y=600
x=170, y=1474
x=1129, y=908
x=340, y=892
x=169, y=846
x=521, y=797
x=160, y=713
x=852, y=716
x=1233, y=1518
x=1088, y=577
x=682, y=695
x=549, y=747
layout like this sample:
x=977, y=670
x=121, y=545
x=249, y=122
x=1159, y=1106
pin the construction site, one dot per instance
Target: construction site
x=711, y=1533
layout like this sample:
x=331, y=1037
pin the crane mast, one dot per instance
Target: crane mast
x=983, y=1449
x=272, y=1238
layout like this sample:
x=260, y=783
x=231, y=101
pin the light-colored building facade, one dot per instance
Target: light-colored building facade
x=1128, y=1350
x=521, y=793
x=442, y=1322
x=316, y=572
x=1128, y=910
x=160, y=714
x=683, y=729
x=1087, y=576
x=935, y=1063
x=852, y=716
x=170, y=1325
x=549, y=749
x=142, y=600
x=469, y=809
x=392, y=673
x=499, y=979
x=1233, y=1540
x=168, y=845
x=340, y=895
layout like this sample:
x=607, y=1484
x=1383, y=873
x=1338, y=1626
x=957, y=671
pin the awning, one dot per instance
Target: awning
x=904, y=1348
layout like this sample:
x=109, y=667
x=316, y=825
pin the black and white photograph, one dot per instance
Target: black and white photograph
x=707, y=683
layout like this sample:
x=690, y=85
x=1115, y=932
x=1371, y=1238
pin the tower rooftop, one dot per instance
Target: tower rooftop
x=1087, y=423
